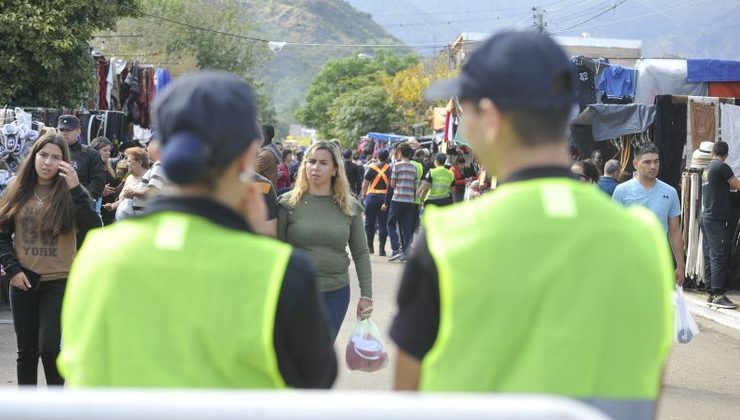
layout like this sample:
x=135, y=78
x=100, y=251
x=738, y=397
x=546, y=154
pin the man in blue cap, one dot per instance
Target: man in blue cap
x=86, y=160
x=500, y=294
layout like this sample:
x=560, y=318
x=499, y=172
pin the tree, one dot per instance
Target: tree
x=406, y=90
x=342, y=76
x=44, y=56
x=357, y=112
x=187, y=48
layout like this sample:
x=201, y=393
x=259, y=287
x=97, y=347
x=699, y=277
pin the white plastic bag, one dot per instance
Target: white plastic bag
x=365, y=350
x=685, y=326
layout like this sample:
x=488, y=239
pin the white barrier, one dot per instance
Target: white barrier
x=263, y=405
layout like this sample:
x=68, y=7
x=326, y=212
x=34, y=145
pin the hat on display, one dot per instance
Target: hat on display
x=702, y=156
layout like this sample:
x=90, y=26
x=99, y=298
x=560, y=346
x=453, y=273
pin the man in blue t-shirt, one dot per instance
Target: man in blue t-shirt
x=646, y=190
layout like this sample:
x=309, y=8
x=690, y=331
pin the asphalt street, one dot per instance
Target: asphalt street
x=702, y=379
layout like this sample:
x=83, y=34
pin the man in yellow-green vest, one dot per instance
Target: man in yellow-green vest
x=188, y=295
x=500, y=293
x=437, y=187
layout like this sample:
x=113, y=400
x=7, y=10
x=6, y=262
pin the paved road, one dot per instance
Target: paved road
x=702, y=379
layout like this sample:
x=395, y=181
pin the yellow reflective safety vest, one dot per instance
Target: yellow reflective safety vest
x=548, y=287
x=176, y=301
x=442, y=180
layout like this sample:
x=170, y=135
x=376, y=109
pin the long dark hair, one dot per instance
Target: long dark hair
x=57, y=216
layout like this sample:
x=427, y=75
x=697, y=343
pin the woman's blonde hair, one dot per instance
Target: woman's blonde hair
x=339, y=184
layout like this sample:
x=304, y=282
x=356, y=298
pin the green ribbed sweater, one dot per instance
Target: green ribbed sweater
x=318, y=227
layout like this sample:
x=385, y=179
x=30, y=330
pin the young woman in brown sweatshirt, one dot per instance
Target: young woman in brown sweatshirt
x=40, y=215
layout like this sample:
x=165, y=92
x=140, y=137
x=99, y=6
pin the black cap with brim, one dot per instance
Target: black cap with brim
x=68, y=122
x=444, y=89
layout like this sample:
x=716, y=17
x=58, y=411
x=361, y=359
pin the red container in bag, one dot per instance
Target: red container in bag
x=365, y=350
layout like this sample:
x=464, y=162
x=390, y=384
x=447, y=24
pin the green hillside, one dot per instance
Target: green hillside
x=288, y=72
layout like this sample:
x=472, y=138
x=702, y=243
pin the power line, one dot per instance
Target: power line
x=631, y=18
x=584, y=12
x=283, y=43
x=451, y=12
x=450, y=22
x=607, y=10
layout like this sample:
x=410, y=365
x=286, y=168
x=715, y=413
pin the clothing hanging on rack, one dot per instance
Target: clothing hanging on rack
x=670, y=138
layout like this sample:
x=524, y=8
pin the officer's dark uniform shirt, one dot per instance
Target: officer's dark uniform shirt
x=90, y=168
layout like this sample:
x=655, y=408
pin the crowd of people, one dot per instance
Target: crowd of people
x=226, y=261
x=646, y=190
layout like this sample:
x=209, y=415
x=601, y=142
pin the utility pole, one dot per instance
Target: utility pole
x=538, y=16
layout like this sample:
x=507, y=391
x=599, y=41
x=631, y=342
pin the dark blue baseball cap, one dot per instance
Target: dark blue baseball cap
x=204, y=120
x=68, y=122
x=514, y=70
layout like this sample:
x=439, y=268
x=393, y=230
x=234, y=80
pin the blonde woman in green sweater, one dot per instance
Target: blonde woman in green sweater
x=320, y=217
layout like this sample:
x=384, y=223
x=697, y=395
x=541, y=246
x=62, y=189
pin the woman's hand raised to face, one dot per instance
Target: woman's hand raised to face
x=68, y=173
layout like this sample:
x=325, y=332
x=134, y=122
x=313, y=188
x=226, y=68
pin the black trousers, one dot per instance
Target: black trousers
x=375, y=216
x=441, y=202
x=716, y=247
x=36, y=315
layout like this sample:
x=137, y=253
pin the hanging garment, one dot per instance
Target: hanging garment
x=685, y=214
x=670, y=137
x=613, y=121
x=589, y=72
x=724, y=89
x=109, y=84
x=101, y=100
x=713, y=71
x=692, y=144
x=586, y=82
x=162, y=78
x=133, y=89
x=693, y=213
x=730, y=125
x=618, y=82
x=702, y=118
x=664, y=77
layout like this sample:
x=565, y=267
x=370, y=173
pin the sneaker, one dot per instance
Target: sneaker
x=381, y=253
x=710, y=298
x=403, y=258
x=395, y=256
x=723, y=302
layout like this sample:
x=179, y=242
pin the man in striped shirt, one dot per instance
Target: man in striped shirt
x=402, y=208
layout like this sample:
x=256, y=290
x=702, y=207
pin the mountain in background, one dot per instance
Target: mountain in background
x=683, y=28
x=289, y=71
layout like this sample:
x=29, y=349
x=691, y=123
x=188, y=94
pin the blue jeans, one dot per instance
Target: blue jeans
x=337, y=302
x=403, y=215
x=373, y=216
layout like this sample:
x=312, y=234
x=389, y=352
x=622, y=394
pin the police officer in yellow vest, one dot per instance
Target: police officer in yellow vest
x=500, y=294
x=438, y=183
x=188, y=295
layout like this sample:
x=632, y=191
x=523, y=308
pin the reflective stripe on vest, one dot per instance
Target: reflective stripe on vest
x=521, y=310
x=624, y=409
x=442, y=180
x=158, y=320
x=380, y=175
